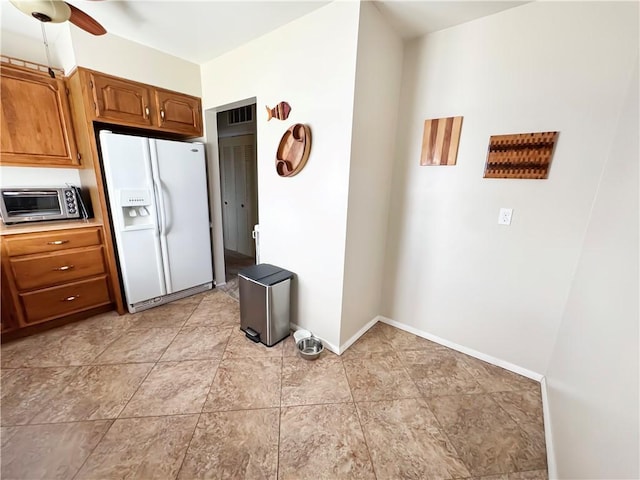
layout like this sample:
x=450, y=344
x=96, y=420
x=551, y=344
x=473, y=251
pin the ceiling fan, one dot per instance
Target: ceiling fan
x=58, y=11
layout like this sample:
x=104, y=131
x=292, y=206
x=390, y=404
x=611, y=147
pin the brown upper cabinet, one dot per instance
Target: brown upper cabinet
x=120, y=101
x=124, y=102
x=178, y=112
x=36, y=120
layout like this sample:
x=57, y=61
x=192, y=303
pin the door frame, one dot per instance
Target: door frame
x=213, y=177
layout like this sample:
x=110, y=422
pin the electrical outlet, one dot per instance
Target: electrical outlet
x=504, y=218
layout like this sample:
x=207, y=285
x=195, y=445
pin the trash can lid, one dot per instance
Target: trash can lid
x=265, y=274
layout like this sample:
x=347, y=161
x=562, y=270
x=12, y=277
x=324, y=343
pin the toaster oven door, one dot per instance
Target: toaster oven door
x=31, y=205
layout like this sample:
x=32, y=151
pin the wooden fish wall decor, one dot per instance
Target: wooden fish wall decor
x=280, y=111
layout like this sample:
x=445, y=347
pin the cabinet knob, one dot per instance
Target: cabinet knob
x=63, y=268
x=70, y=299
x=58, y=242
x=162, y=114
x=146, y=112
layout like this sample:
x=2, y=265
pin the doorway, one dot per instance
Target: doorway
x=238, y=186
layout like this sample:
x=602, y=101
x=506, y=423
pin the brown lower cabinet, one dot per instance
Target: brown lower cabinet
x=53, y=275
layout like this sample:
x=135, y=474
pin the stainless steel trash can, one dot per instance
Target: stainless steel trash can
x=265, y=305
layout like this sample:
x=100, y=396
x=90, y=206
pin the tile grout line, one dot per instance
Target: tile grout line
x=520, y=429
x=155, y=363
x=150, y=370
x=93, y=449
x=424, y=398
x=444, y=431
x=59, y=390
x=184, y=457
x=186, y=450
x=280, y=418
x=355, y=406
x=445, y=434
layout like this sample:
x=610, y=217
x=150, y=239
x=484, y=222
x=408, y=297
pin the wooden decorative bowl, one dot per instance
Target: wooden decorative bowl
x=293, y=150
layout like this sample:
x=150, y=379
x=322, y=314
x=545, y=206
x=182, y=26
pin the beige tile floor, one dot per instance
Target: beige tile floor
x=178, y=392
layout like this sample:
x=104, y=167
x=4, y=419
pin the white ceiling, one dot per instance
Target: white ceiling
x=201, y=30
x=416, y=18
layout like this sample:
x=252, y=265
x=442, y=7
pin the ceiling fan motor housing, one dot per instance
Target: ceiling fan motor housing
x=53, y=11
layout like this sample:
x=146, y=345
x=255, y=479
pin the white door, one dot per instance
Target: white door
x=127, y=170
x=181, y=182
x=228, y=189
x=239, y=192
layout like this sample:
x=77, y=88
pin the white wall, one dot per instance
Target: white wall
x=309, y=63
x=38, y=177
x=375, y=113
x=25, y=48
x=108, y=53
x=123, y=58
x=592, y=381
x=452, y=270
x=70, y=46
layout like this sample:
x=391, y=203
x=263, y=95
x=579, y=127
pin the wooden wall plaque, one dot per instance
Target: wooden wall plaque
x=523, y=155
x=440, y=141
x=293, y=150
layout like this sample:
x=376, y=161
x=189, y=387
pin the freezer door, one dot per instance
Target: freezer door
x=181, y=180
x=127, y=169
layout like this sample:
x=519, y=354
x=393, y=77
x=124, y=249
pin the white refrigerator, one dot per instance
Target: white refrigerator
x=158, y=199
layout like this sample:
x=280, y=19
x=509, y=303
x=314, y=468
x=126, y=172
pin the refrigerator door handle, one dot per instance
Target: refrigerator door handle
x=157, y=185
x=157, y=209
x=166, y=208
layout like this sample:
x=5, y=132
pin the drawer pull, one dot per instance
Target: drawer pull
x=64, y=268
x=58, y=242
x=70, y=299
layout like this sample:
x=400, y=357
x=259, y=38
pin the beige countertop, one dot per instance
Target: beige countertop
x=47, y=226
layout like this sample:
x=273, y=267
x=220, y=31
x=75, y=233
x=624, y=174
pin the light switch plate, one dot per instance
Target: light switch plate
x=504, y=218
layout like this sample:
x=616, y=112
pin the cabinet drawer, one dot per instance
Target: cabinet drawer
x=55, y=268
x=52, y=241
x=66, y=299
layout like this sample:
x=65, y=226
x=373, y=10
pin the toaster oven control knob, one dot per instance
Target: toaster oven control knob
x=68, y=194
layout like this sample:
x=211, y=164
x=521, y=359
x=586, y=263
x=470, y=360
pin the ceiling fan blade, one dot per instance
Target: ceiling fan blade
x=85, y=21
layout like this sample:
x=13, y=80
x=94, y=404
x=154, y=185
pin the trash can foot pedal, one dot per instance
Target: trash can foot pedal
x=252, y=335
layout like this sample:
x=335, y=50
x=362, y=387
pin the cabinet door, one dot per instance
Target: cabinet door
x=120, y=101
x=178, y=113
x=8, y=312
x=35, y=120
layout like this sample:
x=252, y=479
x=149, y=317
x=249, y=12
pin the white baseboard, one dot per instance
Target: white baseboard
x=460, y=348
x=329, y=346
x=467, y=351
x=551, y=463
x=358, y=334
x=552, y=466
